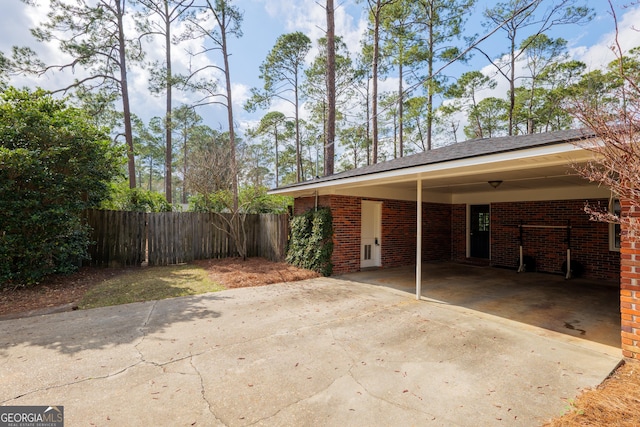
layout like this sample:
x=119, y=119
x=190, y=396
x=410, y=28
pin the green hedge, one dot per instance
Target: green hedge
x=311, y=244
x=53, y=164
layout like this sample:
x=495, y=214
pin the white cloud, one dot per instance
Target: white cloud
x=600, y=54
x=240, y=93
x=310, y=18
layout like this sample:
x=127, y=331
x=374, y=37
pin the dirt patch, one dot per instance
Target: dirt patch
x=615, y=402
x=57, y=291
x=63, y=292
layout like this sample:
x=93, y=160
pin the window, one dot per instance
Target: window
x=614, y=229
x=483, y=221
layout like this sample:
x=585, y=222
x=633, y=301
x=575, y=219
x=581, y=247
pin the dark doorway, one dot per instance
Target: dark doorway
x=480, y=234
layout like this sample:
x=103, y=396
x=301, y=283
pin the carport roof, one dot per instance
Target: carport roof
x=459, y=151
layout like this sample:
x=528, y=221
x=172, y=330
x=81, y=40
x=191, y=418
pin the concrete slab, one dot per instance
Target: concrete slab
x=579, y=308
x=317, y=352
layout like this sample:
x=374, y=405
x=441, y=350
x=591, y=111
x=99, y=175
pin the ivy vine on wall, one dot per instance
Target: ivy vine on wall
x=311, y=244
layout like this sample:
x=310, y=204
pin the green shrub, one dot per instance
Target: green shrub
x=215, y=202
x=123, y=198
x=252, y=200
x=53, y=165
x=311, y=244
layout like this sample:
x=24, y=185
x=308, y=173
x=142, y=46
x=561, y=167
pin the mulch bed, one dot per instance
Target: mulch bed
x=615, y=402
x=238, y=273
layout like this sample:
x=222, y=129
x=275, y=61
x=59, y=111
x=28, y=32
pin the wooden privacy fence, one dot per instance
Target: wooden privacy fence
x=132, y=238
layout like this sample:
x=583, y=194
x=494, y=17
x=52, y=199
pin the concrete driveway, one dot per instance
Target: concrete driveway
x=318, y=352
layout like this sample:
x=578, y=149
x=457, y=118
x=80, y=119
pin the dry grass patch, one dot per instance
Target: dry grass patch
x=616, y=402
x=148, y=284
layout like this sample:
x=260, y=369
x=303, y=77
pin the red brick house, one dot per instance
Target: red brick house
x=478, y=201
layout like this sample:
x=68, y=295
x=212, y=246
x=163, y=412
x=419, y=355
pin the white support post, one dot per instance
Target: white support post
x=419, y=240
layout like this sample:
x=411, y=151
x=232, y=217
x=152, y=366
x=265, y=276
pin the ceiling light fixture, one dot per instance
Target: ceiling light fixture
x=494, y=184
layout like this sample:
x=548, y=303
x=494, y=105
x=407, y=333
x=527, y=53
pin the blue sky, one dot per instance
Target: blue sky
x=265, y=20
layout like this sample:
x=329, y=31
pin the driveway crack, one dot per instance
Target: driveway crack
x=203, y=391
x=390, y=402
x=70, y=383
x=143, y=332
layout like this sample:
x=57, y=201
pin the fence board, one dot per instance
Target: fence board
x=118, y=238
x=132, y=238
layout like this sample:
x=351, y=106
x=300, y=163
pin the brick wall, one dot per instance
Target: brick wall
x=458, y=232
x=346, y=213
x=630, y=287
x=589, y=240
x=436, y=231
x=444, y=234
x=398, y=231
x=303, y=204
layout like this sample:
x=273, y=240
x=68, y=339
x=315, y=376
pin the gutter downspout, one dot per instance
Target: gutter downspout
x=419, y=240
x=316, y=201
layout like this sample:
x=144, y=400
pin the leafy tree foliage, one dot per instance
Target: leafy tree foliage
x=442, y=22
x=490, y=117
x=315, y=91
x=516, y=16
x=168, y=13
x=149, y=150
x=253, y=200
x=93, y=34
x=53, y=164
x=274, y=126
x=123, y=198
x=282, y=73
x=376, y=10
x=466, y=93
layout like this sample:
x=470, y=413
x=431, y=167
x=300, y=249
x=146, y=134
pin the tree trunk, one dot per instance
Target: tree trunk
x=126, y=108
x=238, y=226
x=431, y=83
x=374, y=95
x=512, y=85
x=329, y=152
x=400, y=109
x=168, y=167
x=277, y=160
x=298, y=149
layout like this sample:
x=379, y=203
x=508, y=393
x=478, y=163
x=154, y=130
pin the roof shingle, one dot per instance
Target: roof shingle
x=461, y=150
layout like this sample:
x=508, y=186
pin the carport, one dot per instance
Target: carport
x=478, y=202
x=580, y=308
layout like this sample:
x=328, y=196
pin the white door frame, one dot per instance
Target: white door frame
x=371, y=234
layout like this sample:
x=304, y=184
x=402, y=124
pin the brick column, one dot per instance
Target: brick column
x=630, y=286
